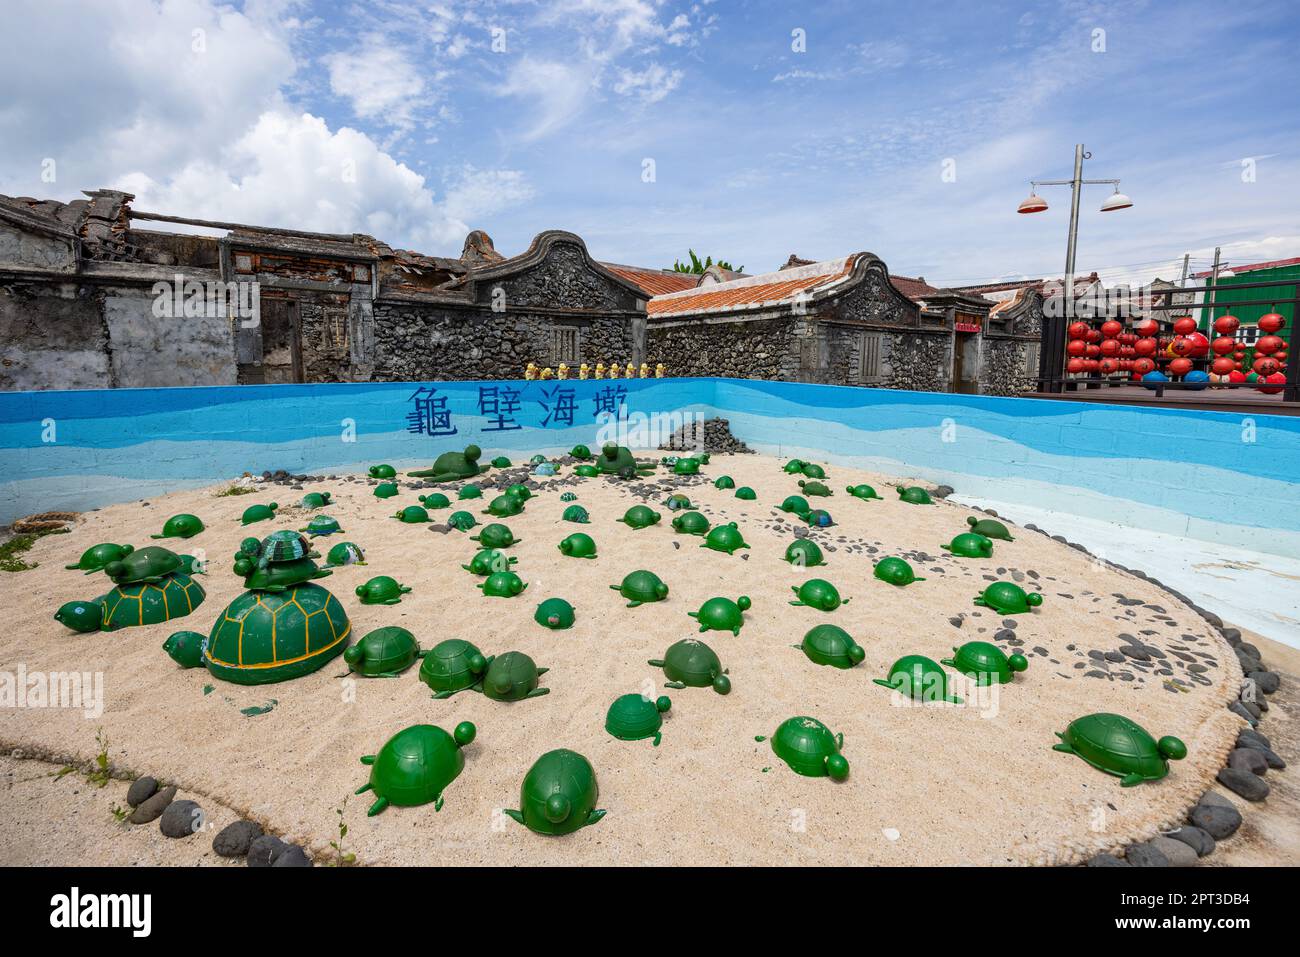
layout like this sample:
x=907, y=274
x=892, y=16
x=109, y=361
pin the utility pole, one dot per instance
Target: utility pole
x=1076, y=189
x=1214, y=281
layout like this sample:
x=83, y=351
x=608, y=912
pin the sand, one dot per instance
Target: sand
x=928, y=785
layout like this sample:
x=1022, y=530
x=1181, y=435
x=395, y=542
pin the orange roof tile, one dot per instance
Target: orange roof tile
x=753, y=292
x=654, y=282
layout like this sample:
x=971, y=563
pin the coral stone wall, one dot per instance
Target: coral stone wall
x=754, y=349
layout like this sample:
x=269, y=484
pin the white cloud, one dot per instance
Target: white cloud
x=379, y=81
x=558, y=92
x=475, y=194
x=649, y=85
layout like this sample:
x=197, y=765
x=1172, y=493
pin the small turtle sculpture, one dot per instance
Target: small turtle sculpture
x=278, y=562
x=580, y=452
x=382, y=472
x=537, y=459
x=383, y=653
x=416, y=765
x=545, y=470
x=96, y=557
x=512, y=677
x=462, y=521
x=258, y=513
x=381, y=590
x=451, y=466
x=452, y=665
x=634, y=717
x=495, y=535
x=813, y=471
x=969, y=545
x=150, y=564
x=864, y=492
x=181, y=526
x=985, y=662
x=819, y=518
x=386, y=490
x=469, y=491
x=578, y=545
x=489, y=560
x=82, y=616
x=795, y=505
x=435, y=500
x=555, y=614
x=576, y=514
x=919, y=678
x=1008, y=598
x=504, y=506
x=315, y=500
x=832, y=645
x=322, y=525
x=413, y=515
x=568, y=497
x=151, y=587
x=724, y=482
x=640, y=587
x=895, y=571
x=794, y=467
x=186, y=648
x=724, y=538
x=914, y=495
x=519, y=491
x=676, y=502
x=690, y=663
x=746, y=494
x=989, y=528
x=640, y=516
x=702, y=457
x=691, y=523
x=501, y=462
x=810, y=749
x=686, y=467
x=502, y=585
x=617, y=460
x=722, y=614
x=1120, y=747
x=818, y=593
x=805, y=553
x=559, y=794
x=816, y=489
x=586, y=471
x=345, y=553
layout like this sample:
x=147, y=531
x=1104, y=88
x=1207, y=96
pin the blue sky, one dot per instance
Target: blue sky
x=418, y=121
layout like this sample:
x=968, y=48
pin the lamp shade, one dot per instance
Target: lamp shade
x=1116, y=201
x=1034, y=204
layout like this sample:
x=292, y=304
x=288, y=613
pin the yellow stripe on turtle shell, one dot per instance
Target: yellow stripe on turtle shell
x=288, y=661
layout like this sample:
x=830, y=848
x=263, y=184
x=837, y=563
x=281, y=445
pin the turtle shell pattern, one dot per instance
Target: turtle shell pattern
x=266, y=637
x=149, y=603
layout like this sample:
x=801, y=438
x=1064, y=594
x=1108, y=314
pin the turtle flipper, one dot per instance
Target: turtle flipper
x=1063, y=745
x=918, y=579
x=883, y=683
x=445, y=694
x=677, y=685
x=693, y=614
x=800, y=604
x=634, y=604
x=377, y=807
x=657, y=662
x=537, y=692
x=948, y=661
x=658, y=737
x=1128, y=780
x=513, y=814
x=979, y=600
x=363, y=789
x=593, y=817
x=368, y=759
x=437, y=803
x=394, y=601
x=542, y=671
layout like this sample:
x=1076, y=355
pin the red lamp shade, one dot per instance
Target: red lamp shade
x=1033, y=204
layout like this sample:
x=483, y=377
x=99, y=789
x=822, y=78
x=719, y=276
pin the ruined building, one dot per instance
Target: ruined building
x=91, y=298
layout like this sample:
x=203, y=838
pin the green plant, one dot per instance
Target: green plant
x=120, y=814
x=235, y=490
x=101, y=772
x=696, y=266
x=12, y=549
x=342, y=858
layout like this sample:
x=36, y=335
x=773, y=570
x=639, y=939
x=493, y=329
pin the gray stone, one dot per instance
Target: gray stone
x=1176, y=852
x=1215, y=799
x=1198, y=839
x=1217, y=820
x=181, y=819
x=263, y=850
x=1145, y=855
x=1250, y=734
x=292, y=856
x=1237, y=709
x=1250, y=786
x=1266, y=681
x=234, y=839
x=1106, y=860
x=1248, y=759
x=141, y=790
x=152, y=808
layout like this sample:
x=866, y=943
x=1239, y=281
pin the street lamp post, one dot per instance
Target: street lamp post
x=1053, y=351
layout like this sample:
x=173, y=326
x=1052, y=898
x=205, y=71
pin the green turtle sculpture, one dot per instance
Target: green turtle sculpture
x=416, y=765
x=512, y=677
x=578, y=545
x=676, y=502
x=322, y=525
x=382, y=472
x=724, y=482
x=263, y=637
x=793, y=467
x=559, y=794
x=805, y=553
x=191, y=565
x=568, y=497
x=151, y=588
x=452, y=665
x=895, y=571
x=258, y=513
x=746, y=494
x=616, y=460
x=691, y=523
x=96, y=557
x=502, y=585
x=451, y=466
x=690, y=663
x=819, y=518
x=495, y=535
x=640, y=587
x=816, y=489
x=985, y=662
x=634, y=717
x=381, y=590
x=520, y=491
x=82, y=616
x=640, y=516
x=504, y=506
x=413, y=515
x=914, y=495
x=795, y=505
x=185, y=648
x=555, y=614
x=722, y=614
x=434, y=500
x=580, y=452
x=818, y=593
x=989, y=528
x=281, y=560
x=810, y=749
x=469, y=491
x=181, y=526
x=586, y=471
x=383, y=653
x=386, y=490
x=1121, y=747
x=1008, y=598
x=315, y=500
x=150, y=564
x=813, y=471
x=919, y=678
x=345, y=553
x=576, y=514
x=864, y=492
x=969, y=545
x=501, y=462
x=537, y=459
x=462, y=521
x=686, y=467
x=724, y=538
x=831, y=645
x=489, y=560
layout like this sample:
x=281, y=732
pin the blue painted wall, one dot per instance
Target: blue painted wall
x=1216, y=476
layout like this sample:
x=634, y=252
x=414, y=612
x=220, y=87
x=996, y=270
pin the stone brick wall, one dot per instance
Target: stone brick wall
x=755, y=349
x=918, y=361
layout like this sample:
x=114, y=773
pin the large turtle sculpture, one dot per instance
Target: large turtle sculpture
x=746, y=494
x=386, y=490
x=453, y=665
x=634, y=717
x=805, y=553
x=413, y=515
x=559, y=794
x=505, y=506
x=96, y=557
x=150, y=587
x=724, y=538
x=281, y=560
x=452, y=466
x=640, y=587
x=416, y=765
x=578, y=545
x=676, y=502
x=265, y=636
x=512, y=676
x=989, y=528
x=816, y=489
x=345, y=553
x=985, y=662
x=618, y=460
x=313, y=500
x=580, y=452
x=640, y=516
x=691, y=523
x=1008, y=598
x=501, y=462
x=468, y=492
x=586, y=471
x=793, y=467
x=969, y=545
x=896, y=571
x=724, y=482
x=495, y=535
x=810, y=748
x=576, y=514
x=795, y=505
x=381, y=590
x=383, y=653
x=322, y=525
x=819, y=518
x=818, y=593
x=461, y=521
x=722, y=614
x=690, y=663
x=831, y=645
x=1121, y=747
x=813, y=471
x=181, y=526
x=686, y=466
x=520, y=491
x=434, y=500
x=919, y=678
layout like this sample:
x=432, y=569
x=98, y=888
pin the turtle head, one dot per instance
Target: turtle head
x=477, y=664
x=661, y=590
x=243, y=566
x=743, y=603
x=1171, y=748
x=127, y=549
x=721, y=684
x=566, y=546
x=361, y=591
x=354, y=655
x=1033, y=599
x=464, y=733
x=837, y=766
x=802, y=483
x=557, y=808
x=1018, y=662
x=610, y=451
x=856, y=654
x=115, y=570
x=663, y=704
x=273, y=506
x=972, y=521
x=472, y=452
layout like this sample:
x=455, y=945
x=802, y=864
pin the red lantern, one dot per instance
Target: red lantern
x=1110, y=328
x=1075, y=366
x=1078, y=330
x=1271, y=322
x=1145, y=347
x=1180, y=366
x=1094, y=335
x=1109, y=366
x=1267, y=345
x=1223, y=345
x=1226, y=325
x=1147, y=328
x=1076, y=347
x=1236, y=375
x=1266, y=365
x=1222, y=365
x=1185, y=326
x=1143, y=366
x=1200, y=345
x=1274, y=377
x=1182, y=346
x=1093, y=351
x=1109, y=347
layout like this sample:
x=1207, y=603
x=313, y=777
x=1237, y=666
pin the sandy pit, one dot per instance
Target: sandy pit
x=928, y=785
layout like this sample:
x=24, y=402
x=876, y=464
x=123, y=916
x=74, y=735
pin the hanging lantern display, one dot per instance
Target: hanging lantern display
x=1143, y=366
